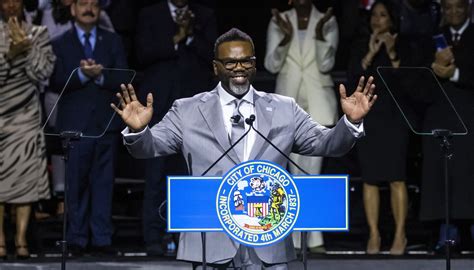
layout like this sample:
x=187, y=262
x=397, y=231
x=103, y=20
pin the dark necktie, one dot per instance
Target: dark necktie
x=238, y=129
x=88, y=46
x=456, y=38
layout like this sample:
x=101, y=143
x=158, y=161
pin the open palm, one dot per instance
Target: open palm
x=357, y=105
x=133, y=113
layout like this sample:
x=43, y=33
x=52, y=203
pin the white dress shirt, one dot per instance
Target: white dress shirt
x=247, y=108
x=455, y=77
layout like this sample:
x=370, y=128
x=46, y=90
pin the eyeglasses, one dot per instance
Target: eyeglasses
x=232, y=63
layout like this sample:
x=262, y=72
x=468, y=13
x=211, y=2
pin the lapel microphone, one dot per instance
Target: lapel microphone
x=235, y=119
x=249, y=121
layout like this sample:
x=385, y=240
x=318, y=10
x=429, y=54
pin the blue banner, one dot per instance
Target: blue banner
x=323, y=203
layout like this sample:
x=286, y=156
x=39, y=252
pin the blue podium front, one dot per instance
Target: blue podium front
x=258, y=203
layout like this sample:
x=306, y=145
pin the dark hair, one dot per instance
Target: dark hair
x=102, y=3
x=233, y=34
x=466, y=3
x=392, y=13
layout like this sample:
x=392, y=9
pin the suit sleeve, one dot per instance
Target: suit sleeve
x=205, y=34
x=4, y=69
x=326, y=50
x=113, y=79
x=153, y=44
x=465, y=64
x=313, y=139
x=164, y=138
x=40, y=59
x=275, y=55
x=62, y=72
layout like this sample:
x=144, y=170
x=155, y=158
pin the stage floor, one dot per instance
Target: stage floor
x=354, y=261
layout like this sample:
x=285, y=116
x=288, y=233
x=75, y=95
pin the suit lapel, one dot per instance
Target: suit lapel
x=76, y=43
x=264, y=115
x=295, y=44
x=310, y=36
x=212, y=113
x=99, y=47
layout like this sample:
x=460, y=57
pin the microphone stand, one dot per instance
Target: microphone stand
x=66, y=138
x=249, y=121
x=444, y=135
x=203, y=234
x=304, y=254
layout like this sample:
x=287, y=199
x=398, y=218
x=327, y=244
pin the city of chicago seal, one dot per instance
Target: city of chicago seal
x=257, y=203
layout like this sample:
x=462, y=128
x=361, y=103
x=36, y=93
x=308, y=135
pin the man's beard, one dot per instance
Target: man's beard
x=239, y=89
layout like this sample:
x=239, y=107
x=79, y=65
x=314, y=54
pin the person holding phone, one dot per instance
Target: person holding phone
x=454, y=67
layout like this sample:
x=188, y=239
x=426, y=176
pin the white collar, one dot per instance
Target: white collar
x=81, y=32
x=174, y=8
x=461, y=30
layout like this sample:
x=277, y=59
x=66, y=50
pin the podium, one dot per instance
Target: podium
x=258, y=203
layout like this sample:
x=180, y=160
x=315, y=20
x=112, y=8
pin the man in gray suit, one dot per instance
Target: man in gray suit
x=201, y=128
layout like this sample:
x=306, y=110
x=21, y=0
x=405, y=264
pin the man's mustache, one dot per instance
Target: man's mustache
x=88, y=13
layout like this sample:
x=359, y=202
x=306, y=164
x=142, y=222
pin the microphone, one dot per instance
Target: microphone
x=250, y=121
x=235, y=119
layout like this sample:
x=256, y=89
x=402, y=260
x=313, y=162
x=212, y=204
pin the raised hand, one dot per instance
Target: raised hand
x=444, y=57
x=389, y=41
x=374, y=43
x=360, y=102
x=319, y=27
x=133, y=113
x=284, y=25
x=90, y=68
x=185, y=22
x=443, y=71
x=374, y=46
x=19, y=39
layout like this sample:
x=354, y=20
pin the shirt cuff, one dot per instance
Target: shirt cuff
x=356, y=129
x=100, y=80
x=82, y=77
x=189, y=40
x=131, y=137
x=455, y=77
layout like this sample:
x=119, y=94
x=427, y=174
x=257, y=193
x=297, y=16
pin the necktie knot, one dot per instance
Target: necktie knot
x=456, y=38
x=237, y=104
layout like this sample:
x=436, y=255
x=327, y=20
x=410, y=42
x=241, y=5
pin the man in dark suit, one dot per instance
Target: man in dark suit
x=90, y=171
x=174, y=48
x=454, y=67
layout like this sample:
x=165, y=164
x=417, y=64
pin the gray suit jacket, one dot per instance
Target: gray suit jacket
x=194, y=126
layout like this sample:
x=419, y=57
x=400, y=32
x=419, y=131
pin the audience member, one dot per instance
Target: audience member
x=301, y=48
x=26, y=58
x=382, y=153
x=174, y=48
x=454, y=66
x=90, y=171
